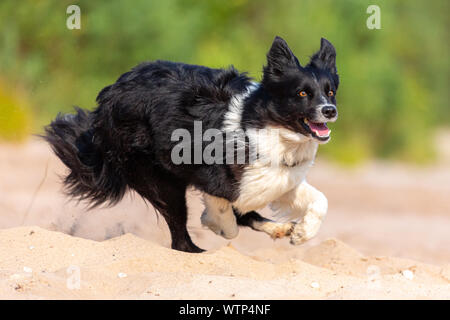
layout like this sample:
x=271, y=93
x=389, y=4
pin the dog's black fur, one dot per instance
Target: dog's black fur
x=125, y=143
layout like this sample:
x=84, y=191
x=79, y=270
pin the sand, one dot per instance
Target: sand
x=40, y=264
x=383, y=220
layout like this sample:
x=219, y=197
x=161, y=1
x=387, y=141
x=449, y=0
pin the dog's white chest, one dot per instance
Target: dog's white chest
x=264, y=182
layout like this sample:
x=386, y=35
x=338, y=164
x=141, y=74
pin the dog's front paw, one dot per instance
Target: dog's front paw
x=309, y=226
x=224, y=226
x=275, y=230
x=306, y=229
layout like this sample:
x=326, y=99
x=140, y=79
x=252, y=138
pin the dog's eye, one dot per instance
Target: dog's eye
x=330, y=93
x=302, y=94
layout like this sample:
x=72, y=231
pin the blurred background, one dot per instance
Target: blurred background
x=394, y=91
x=392, y=136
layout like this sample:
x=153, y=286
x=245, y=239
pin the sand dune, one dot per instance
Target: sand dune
x=36, y=263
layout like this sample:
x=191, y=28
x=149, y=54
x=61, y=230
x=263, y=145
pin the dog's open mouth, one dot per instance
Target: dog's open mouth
x=318, y=130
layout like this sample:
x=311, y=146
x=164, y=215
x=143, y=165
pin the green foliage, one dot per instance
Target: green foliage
x=15, y=117
x=393, y=81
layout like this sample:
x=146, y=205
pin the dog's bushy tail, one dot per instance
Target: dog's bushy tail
x=71, y=136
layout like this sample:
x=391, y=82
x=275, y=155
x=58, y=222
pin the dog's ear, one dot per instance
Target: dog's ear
x=325, y=58
x=280, y=58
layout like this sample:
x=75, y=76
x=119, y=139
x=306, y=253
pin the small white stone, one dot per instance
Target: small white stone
x=122, y=275
x=31, y=247
x=27, y=269
x=408, y=274
x=315, y=285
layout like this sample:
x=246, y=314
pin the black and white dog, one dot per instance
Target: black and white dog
x=127, y=142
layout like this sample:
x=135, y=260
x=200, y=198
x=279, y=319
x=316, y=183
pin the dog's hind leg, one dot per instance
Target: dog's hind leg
x=169, y=198
x=219, y=217
x=257, y=222
x=176, y=218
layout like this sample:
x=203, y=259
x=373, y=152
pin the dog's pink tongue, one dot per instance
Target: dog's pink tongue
x=320, y=129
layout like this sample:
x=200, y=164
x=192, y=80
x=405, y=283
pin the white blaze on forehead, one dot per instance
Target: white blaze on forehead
x=315, y=78
x=323, y=99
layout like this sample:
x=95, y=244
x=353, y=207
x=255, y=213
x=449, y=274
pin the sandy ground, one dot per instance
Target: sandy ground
x=382, y=220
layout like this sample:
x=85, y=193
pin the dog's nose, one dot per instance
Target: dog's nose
x=329, y=111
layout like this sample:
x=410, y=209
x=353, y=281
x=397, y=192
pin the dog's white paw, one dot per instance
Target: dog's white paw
x=223, y=225
x=306, y=229
x=274, y=229
x=309, y=226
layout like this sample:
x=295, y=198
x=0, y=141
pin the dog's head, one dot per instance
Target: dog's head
x=302, y=99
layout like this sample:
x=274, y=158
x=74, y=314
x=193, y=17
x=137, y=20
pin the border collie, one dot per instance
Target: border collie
x=127, y=142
